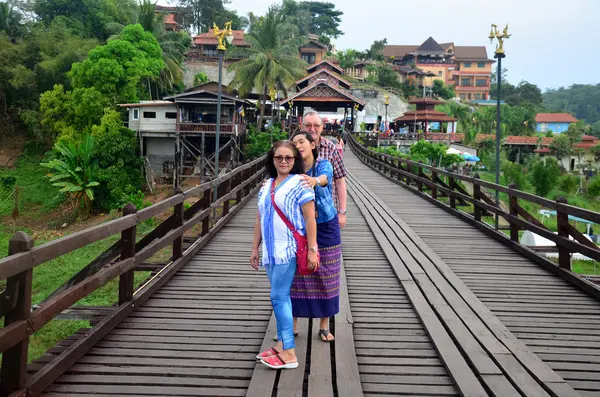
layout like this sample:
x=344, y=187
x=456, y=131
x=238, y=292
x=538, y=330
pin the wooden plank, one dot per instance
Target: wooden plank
x=320, y=382
x=291, y=381
x=263, y=378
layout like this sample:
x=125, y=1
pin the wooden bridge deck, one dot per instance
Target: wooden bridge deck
x=555, y=319
x=429, y=307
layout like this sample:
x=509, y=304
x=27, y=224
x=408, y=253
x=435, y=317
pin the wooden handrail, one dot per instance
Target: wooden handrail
x=517, y=217
x=21, y=323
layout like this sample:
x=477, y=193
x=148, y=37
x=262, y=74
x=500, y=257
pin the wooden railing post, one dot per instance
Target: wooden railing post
x=226, y=187
x=239, y=181
x=477, y=198
x=128, y=242
x=562, y=222
x=178, y=214
x=206, y=204
x=434, y=186
x=420, y=175
x=452, y=197
x=513, y=203
x=18, y=287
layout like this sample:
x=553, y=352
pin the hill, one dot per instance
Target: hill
x=581, y=100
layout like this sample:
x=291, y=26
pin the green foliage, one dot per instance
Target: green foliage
x=200, y=78
x=258, y=143
x=376, y=50
x=561, y=146
x=581, y=100
x=346, y=58
x=544, y=176
x=118, y=68
x=513, y=173
x=68, y=115
x=386, y=77
x=568, y=183
x=442, y=91
x=593, y=187
x=273, y=61
x=575, y=131
x=120, y=165
x=75, y=170
x=313, y=17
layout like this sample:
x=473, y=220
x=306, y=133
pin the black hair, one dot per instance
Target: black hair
x=309, y=138
x=297, y=168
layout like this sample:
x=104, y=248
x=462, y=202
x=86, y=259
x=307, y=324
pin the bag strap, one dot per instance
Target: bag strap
x=279, y=212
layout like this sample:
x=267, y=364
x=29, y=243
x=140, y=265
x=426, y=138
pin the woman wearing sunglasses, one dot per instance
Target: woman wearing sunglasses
x=284, y=194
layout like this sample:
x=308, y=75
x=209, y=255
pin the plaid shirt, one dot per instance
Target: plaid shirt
x=328, y=151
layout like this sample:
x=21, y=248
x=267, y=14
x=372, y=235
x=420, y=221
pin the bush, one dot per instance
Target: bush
x=568, y=184
x=593, y=187
x=544, y=176
x=258, y=143
x=513, y=173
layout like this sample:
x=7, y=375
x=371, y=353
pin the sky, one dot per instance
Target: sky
x=554, y=43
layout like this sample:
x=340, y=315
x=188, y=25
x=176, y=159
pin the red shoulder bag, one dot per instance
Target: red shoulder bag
x=301, y=241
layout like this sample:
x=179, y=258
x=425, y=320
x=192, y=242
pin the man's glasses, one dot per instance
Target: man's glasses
x=312, y=125
x=288, y=159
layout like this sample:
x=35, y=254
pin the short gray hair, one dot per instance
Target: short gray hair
x=312, y=113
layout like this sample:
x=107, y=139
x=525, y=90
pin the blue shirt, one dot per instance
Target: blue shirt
x=323, y=194
x=279, y=244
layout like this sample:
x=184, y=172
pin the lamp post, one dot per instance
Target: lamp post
x=498, y=54
x=386, y=98
x=221, y=34
x=272, y=93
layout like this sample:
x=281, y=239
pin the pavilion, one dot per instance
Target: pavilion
x=323, y=90
x=424, y=114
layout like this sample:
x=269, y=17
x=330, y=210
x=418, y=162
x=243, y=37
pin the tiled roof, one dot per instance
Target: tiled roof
x=170, y=19
x=333, y=65
x=429, y=46
x=527, y=140
x=398, y=51
x=327, y=71
x=210, y=38
x=470, y=53
x=555, y=118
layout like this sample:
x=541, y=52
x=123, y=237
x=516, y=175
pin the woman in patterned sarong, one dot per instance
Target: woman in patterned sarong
x=317, y=295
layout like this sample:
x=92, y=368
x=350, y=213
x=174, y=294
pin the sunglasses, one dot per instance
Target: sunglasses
x=312, y=125
x=288, y=159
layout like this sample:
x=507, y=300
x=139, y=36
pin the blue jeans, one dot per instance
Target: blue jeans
x=281, y=277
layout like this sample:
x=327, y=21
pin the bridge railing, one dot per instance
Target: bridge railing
x=436, y=184
x=121, y=260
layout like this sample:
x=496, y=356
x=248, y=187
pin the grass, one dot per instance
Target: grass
x=35, y=195
x=51, y=275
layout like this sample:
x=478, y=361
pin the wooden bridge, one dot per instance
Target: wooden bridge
x=434, y=301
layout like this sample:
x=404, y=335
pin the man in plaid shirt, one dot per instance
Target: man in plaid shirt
x=327, y=150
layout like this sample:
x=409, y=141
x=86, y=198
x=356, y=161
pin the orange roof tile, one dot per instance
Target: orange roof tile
x=527, y=140
x=555, y=118
x=210, y=38
x=170, y=19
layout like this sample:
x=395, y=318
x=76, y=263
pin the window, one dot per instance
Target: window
x=171, y=115
x=544, y=127
x=481, y=83
x=463, y=96
x=149, y=115
x=467, y=64
x=481, y=64
x=477, y=96
x=308, y=58
x=136, y=114
x=469, y=96
x=440, y=73
x=466, y=82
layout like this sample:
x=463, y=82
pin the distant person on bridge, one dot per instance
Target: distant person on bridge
x=297, y=203
x=328, y=151
x=318, y=295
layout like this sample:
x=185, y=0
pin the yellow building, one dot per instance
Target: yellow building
x=467, y=68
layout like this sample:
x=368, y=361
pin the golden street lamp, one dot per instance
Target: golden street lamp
x=498, y=54
x=227, y=35
x=386, y=101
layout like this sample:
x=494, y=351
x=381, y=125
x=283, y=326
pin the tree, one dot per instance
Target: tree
x=442, y=91
x=544, y=176
x=581, y=100
x=529, y=93
x=346, y=58
x=325, y=19
x=575, y=131
x=272, y=59
x=376, y=50
x=203, y=13
x=119, y=68
x=386, y=77
x=74, y=171
x=200, y=78
x=561, y=146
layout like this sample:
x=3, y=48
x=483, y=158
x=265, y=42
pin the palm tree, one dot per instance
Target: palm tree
x=272, y=61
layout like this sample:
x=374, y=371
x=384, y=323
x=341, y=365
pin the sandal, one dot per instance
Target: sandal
x=267, y=353
x=324, y=334
x=276, y=362
x=276, y=339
